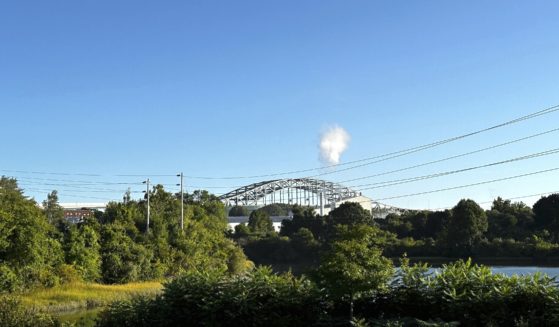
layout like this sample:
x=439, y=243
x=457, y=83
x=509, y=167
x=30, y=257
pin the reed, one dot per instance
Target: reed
x=75, y=296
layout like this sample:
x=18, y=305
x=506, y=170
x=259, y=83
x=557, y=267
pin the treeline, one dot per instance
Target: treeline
x=508, y=229
x=38, y=247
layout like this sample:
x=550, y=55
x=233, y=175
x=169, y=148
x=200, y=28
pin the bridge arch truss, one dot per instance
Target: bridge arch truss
x=302, y=191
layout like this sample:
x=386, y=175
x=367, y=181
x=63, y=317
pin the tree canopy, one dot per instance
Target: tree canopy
x=350, y=213
x=467, y=225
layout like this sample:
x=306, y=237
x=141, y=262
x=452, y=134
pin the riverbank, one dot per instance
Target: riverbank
x=81, y=296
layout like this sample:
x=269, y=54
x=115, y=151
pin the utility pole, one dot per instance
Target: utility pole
x=322, y=199
x=147, y=192
x=182, y=200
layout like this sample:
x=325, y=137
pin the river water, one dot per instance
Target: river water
x=512, y=270
x=519, y=270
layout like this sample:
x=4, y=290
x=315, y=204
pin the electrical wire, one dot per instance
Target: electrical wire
x=409, y=167
x=394, y=154
x=504, y=198
x=468, y=185
x=451, y=157
x=452, y=172
x=93, y=189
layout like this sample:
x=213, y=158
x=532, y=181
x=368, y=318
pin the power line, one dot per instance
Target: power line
x=363, y=187
x=452, y=172
x=391, y=154
x=466, y=186
x=399, y=153
x=412, y=179
x=504, y=198
x=87, y=182
x=78, y=191
x=93, y=189
x=523, y=196
x=395, y=153
x=78, y=182
x=454, y=187
x=70, y=195
x=451, y=157
x=405, y=168
x=469, y=185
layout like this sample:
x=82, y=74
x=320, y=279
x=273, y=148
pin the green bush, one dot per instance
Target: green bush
x=255, y=299
x=470, y=294
x=12, y=314
x=68, y=274
x=9, y=281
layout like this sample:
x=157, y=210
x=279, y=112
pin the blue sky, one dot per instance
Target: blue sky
x=223, y=88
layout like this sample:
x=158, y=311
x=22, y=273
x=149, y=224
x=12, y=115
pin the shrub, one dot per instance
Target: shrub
x=9, y=281
x=472, y=295
x=12, y=314
x=68, y=274
x=255, y=299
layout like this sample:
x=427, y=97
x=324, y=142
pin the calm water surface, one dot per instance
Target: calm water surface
x=521, y=270
x=511, y=270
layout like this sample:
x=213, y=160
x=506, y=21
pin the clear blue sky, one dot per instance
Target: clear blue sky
x=237, y=88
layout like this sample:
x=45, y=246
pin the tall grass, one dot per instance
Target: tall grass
x=77, y=295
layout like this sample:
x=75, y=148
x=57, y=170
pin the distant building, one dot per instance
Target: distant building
x=75, y=216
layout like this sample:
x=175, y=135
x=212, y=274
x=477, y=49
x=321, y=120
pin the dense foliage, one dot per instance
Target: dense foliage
x=469, y=294
x=30, y=255
x=459, y=294
x=38, y=247
x=508, y=230
x=13, y=314
x=258, y=298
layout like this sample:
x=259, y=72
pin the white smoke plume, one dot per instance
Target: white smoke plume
x=333, y=142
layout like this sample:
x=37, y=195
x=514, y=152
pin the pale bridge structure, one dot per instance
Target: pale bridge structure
x=319, y=194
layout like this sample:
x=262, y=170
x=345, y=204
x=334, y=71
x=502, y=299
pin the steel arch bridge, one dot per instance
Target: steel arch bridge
x=303, y=191
x=310, y=192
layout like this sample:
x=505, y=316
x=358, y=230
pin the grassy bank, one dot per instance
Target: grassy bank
x=77, y=296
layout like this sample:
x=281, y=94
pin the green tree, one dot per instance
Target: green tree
x=83, y=251
x=546, y=212
x=372, y=236
x=200, y=197
x=352, y=269
x=53, y=210
x=350, y=213
x=304, y=217
x=436, y=223
x=467, y=225
x=510, y=220
x=26, y=243
x=304, y=244
x=397, y=224
x=259, y=222
x=123, y=260
x=241, y=230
